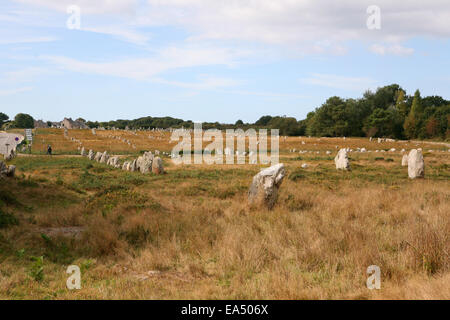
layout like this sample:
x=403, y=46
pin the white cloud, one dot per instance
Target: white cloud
x=121, y=7
x=205, y=83
x=340, y=82
x=121, y=32
x=23, y=75
x=27, y=40
x=302, y=25
x=14, y=91
x=150, y=69
x=397, y=50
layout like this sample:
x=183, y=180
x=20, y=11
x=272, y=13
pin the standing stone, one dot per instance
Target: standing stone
x=265, y=185
x=341, y=160
x=114, y=162
x=10, y=172
x=157, y=166
x=3, y=167
x=83, y=152
x=405, y=160
x=125, y=165
x=144, y=163
x=133, y=166
x=91, y=155
x=98, y=156
x=416, y=165
x=104, y=158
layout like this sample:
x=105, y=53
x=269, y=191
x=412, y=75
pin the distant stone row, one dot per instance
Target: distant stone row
x=144, y=164
x=414, y=161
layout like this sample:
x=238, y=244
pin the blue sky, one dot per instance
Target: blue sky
x=213, y=60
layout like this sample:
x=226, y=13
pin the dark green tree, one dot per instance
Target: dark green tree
x=412, y=122
x=3, y=118
x=24, y=121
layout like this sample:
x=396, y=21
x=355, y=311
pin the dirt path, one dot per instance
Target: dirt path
x=432, y=142
x=27, y=155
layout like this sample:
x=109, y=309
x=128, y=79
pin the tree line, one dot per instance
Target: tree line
x=387, y=112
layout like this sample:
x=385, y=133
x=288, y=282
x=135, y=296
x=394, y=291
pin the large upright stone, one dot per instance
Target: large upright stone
x=3, y=167
x=133, y=166
x=83, y=152
x=144, y=163
x=113, y=162
x=265, y=185
x=98, y=156
x=416, y=165
x=104, y=158
x=91, y=155
x=157, y=166
x=341, y=160
x=405, y=160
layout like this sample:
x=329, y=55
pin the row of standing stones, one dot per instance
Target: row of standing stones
x=414, y=161
x=264, y=188
x=144, y=164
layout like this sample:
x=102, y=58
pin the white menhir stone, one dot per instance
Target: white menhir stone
x=104, y=158
x=265, y=185
x=416, y=165
x=98, y=156
x=341, y=160
x=91, y=155
x=404, y=160
x=157, y=166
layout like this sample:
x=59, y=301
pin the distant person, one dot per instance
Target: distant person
x=49, y=150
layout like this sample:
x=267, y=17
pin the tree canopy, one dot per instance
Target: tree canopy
x=24, y=121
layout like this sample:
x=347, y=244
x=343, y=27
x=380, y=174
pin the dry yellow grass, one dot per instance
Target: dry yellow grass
x=190, y=234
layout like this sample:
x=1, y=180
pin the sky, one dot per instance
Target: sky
x=214, y=60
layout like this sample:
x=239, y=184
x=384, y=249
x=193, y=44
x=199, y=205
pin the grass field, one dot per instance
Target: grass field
x=190, y=234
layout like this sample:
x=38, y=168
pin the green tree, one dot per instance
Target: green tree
x=412, y=122
x=331, y=119
x=3, y=118
x=401, y=104
x=263, y=121
x=24, y=121
x=384, y=123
